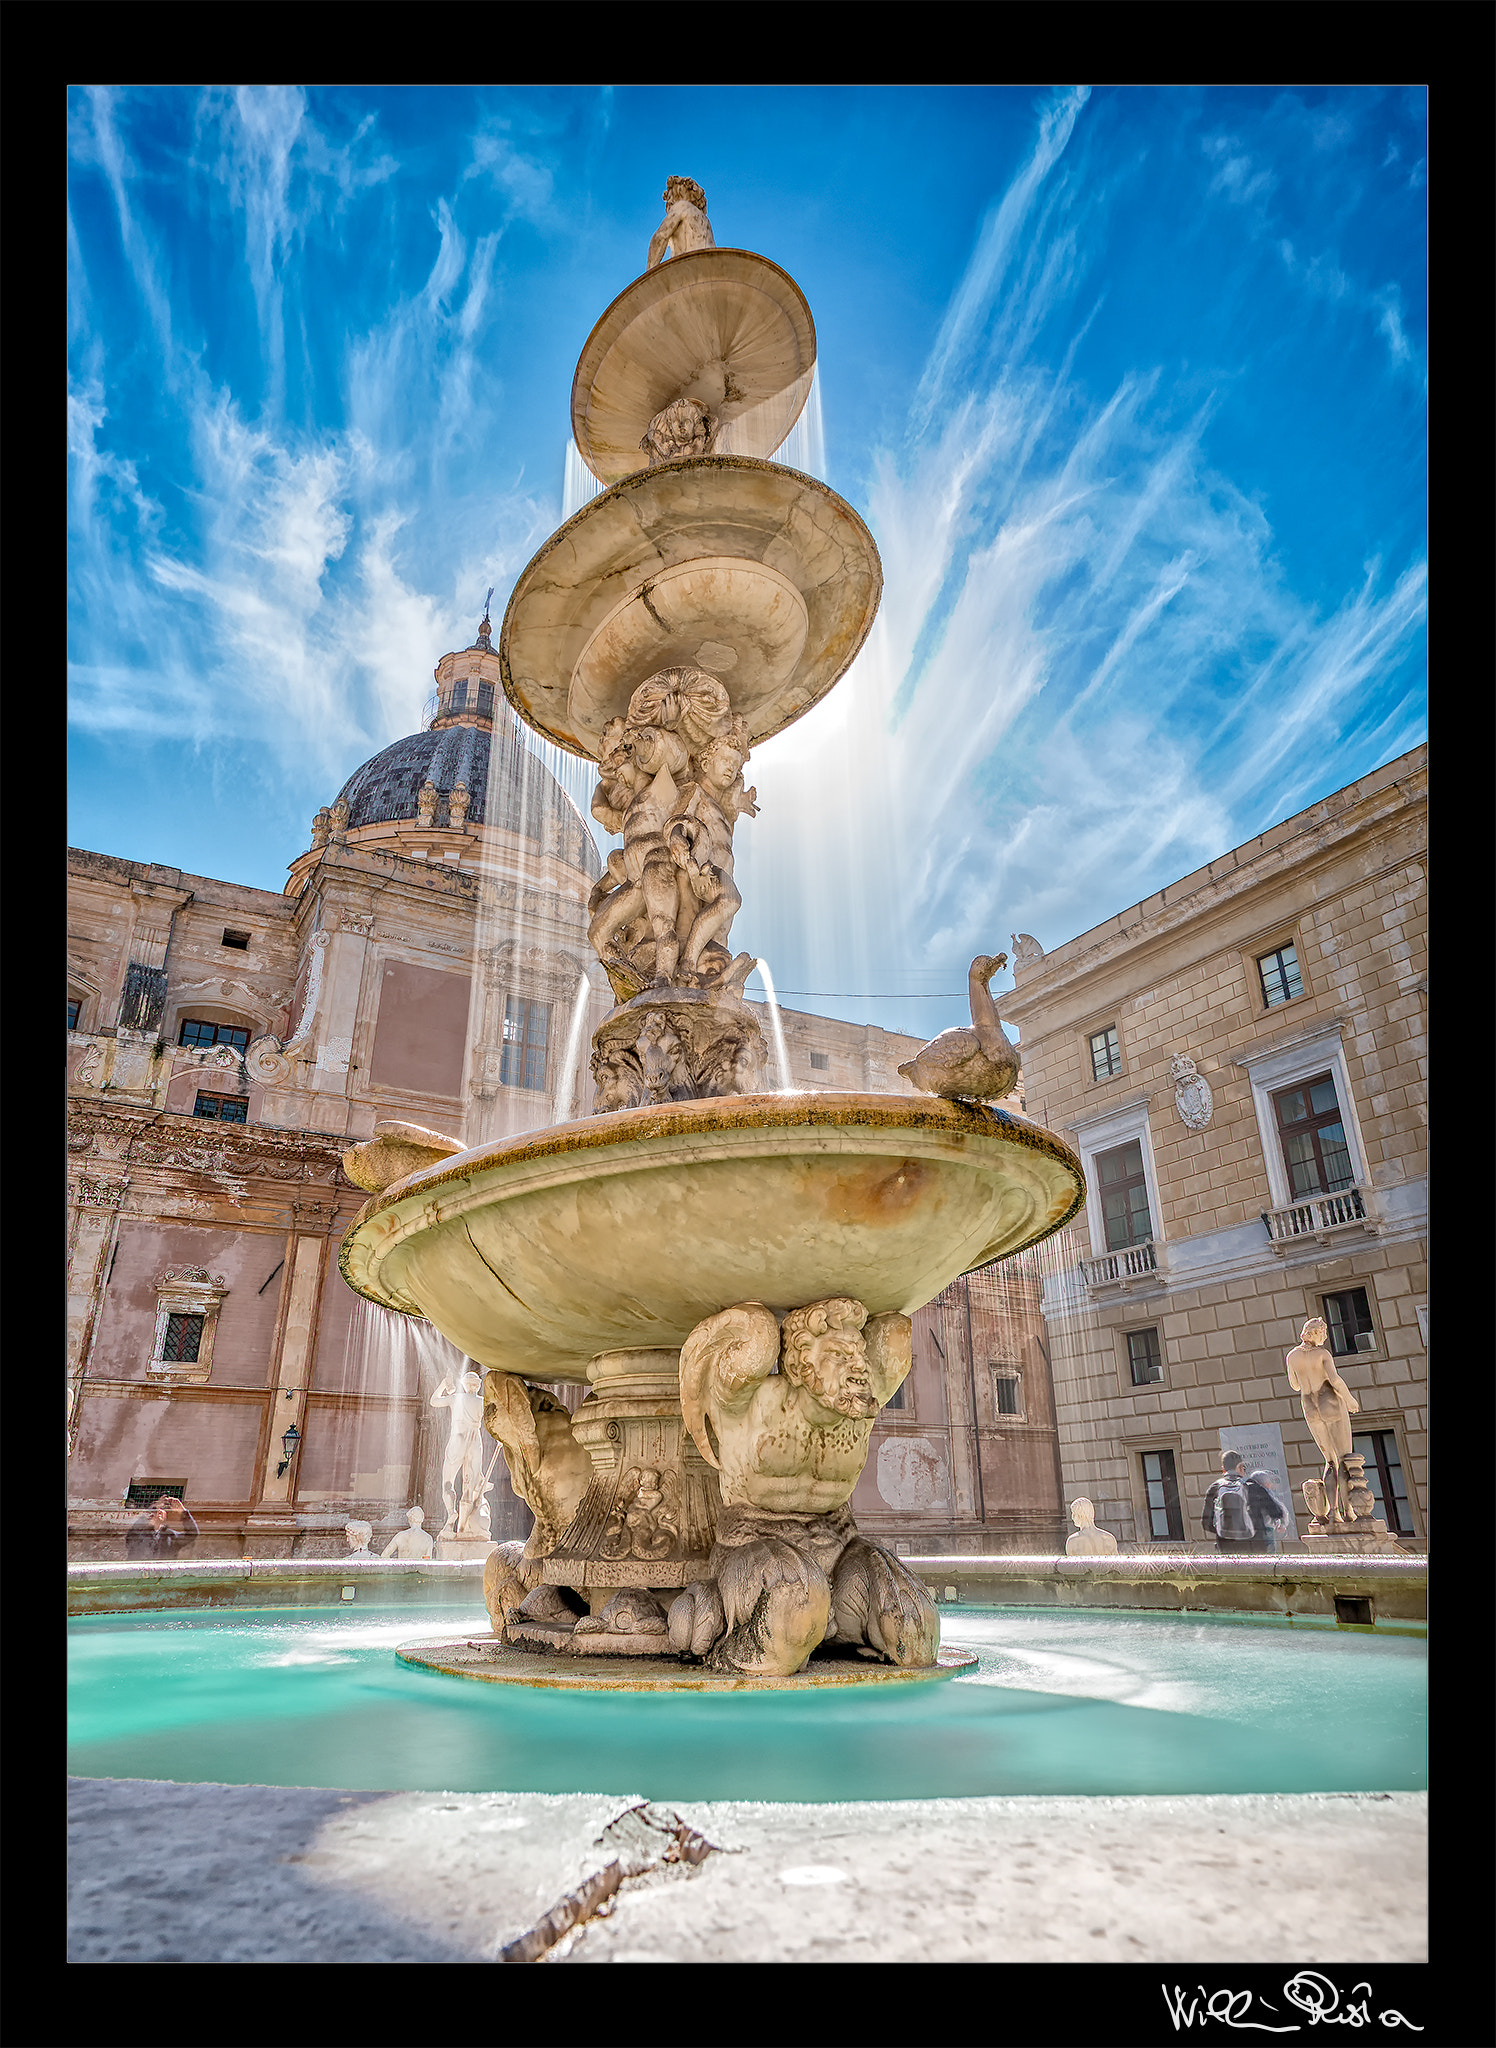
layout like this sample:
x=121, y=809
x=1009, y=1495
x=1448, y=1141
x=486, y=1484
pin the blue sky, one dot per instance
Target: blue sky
x=1129, y=385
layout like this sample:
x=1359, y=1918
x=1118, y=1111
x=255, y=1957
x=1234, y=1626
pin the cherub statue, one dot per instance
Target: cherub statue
x=635, y=796
x=699, y=837
x=685, y=226
x=789, y=1568
x=1328, y=1406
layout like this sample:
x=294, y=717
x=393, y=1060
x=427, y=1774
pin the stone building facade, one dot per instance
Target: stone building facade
x=425, y=962
x=1241, y=1063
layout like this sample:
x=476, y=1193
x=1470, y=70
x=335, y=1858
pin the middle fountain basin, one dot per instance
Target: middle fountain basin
x=536, y=1253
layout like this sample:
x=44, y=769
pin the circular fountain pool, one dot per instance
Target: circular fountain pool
x=1081, y=1702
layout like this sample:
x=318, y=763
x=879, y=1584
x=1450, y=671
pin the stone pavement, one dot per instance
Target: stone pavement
x=162, y=1872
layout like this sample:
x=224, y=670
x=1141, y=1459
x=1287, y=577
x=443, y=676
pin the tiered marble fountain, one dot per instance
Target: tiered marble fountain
x=730, y=1271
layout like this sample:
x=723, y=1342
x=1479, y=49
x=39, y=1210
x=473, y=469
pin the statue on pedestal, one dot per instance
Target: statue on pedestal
x=1340, y=1500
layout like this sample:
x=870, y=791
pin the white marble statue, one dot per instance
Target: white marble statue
x=789, y=1568
x=462, y=1463
x=1088, y=1540
x=359, y=1535
x=411, y=1542
x=685, y=226
x=1328, y=1405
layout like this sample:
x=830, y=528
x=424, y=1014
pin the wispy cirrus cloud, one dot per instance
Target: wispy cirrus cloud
x=1091, y=674
x=278, y=606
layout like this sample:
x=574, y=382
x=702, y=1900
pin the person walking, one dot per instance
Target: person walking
x=1265, y=1508
x=1227, y=1514
x=165, y=1533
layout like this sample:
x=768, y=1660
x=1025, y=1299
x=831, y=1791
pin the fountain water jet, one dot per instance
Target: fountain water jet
x=781, y=1052
x=731, y=1271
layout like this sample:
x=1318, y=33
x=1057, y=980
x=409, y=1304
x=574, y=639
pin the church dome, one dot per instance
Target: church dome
x=526, y=797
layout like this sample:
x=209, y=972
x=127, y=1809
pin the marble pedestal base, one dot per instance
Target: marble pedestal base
x=464, y=1546
x=648, y=1519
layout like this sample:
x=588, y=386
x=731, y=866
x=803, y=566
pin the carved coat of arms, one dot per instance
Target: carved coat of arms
x=1192, y=1096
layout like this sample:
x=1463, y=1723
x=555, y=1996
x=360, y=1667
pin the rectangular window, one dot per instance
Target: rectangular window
x=896, y=1398
x=1124, y=1196
x=1106, y=1054
x=1279, y=972
x=1315, y=1150
x=1348, y=1319
x=1009, y=1388
x=459, y=695
x=144, y=1493
x=238, y=940
x=527, y=1028
x=183, y=1336
x=1145, y=1357
x=820, y=1059
x=1165, y=1521
x=1384, y=1475
x=73, y=1009
x=485, y=700
x=199, y=1031
x=222, y=1109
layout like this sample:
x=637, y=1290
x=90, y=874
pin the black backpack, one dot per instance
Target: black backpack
x=1233, y=1518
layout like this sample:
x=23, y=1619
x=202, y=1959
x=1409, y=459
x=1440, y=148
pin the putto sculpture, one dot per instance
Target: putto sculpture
x=729, y=1272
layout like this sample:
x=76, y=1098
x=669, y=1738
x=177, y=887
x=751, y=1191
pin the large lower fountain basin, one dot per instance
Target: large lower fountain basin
x=536, y=1253
x=1080, y=1703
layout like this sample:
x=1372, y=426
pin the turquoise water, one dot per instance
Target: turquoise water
x=1084, y=1702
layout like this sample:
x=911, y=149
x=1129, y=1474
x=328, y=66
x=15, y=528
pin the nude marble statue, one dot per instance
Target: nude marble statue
x=700, y=842
x=462, y=1462
x=685, y=226
x=790, y=1568
x=1088, y=1540
x=1328, y=1405
x=410, y=1542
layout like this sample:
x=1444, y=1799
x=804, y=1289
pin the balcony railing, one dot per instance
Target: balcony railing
x=1122, y=1268
x=1320, y=1217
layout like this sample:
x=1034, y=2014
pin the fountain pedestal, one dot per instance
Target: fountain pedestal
x=649, y=1517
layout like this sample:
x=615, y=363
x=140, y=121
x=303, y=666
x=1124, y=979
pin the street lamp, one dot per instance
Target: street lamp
x=289, y=1442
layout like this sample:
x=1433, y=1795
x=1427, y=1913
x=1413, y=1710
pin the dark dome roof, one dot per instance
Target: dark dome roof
x=527, y=797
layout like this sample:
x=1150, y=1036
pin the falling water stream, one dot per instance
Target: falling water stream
x=781, y=1054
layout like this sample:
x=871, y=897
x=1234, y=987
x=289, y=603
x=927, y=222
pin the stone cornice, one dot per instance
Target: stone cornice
x=1323, y=833
x=143, y=1137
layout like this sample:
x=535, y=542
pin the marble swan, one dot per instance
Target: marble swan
x=976, y=1065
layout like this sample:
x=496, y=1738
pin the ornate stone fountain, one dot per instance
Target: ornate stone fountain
x=731, y=1272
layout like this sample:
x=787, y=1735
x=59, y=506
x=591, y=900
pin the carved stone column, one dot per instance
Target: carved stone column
x=649, y=1517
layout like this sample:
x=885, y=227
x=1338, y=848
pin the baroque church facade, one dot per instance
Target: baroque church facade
x=427, y=961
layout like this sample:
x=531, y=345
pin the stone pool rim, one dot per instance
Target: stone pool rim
x=1291, y=1585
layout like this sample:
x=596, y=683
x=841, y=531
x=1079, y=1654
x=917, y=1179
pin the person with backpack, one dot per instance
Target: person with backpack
x=1228, y=1515
x=1265, y=1508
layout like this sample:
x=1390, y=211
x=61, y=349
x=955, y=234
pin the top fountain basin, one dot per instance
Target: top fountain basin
x=724, y=326
x=537, y=1253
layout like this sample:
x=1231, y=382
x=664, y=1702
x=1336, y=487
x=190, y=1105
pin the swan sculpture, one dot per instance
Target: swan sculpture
x=976, y=1065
